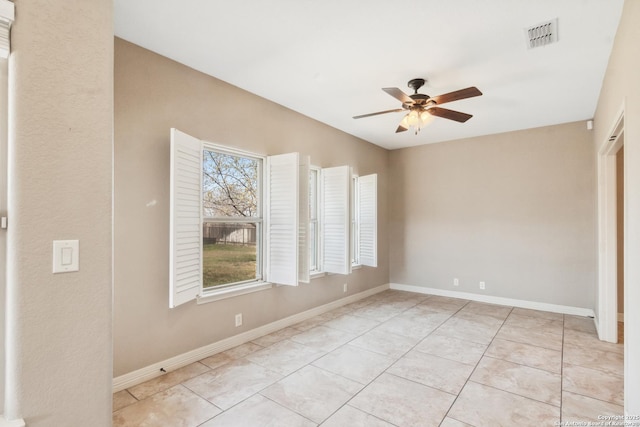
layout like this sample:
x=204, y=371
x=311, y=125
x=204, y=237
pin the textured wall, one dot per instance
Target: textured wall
x=515, y=210
x=153, y=94
x=60, y=176
x=621, y=86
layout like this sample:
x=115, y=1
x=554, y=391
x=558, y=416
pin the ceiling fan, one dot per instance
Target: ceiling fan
x=421, y=108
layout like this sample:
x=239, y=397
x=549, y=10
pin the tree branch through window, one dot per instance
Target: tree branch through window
x=230, y=185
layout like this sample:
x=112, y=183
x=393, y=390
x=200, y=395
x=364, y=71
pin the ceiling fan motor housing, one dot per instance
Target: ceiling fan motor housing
x=420, y=100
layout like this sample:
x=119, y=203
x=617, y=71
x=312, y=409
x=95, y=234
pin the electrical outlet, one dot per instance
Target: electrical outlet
x=482, y=285
x=344, y=288
x=238, y=319
x=456, y=282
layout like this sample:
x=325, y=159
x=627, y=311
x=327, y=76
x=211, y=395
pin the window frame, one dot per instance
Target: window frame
x=315, y=219
x=258, y=220
x=344, y=219
x=284, y=260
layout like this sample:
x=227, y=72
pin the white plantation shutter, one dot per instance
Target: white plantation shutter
x=7, y=16
x=336, y=219
x=282, y=219
x=185, y=263
x=303, y=220
x=368, y=219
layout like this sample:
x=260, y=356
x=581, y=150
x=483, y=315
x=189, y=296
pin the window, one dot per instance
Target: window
x=240, y=221
x=237, y=219
x=314, y=221
x=232, y=219
x=349, y=220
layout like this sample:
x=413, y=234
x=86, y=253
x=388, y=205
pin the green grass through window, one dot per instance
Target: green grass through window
x=224, y=264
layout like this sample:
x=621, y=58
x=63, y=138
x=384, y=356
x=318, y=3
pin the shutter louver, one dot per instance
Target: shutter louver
x=185, y=262
x=7, y=16
x=368, y=222
x=282, y=219
x=336, y=219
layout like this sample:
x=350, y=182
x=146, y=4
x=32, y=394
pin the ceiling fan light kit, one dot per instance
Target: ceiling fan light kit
x=415, y=119
x=421, y=108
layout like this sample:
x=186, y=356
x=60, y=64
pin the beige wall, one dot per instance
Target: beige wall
x=59, y=349
x=621, y=86
x=153, y=94
x=515, y=210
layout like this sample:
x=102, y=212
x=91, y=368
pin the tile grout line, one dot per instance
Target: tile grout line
x=385, y=370
x=414, y=346
x=476, y=366
x=585, y=367
x=531, y=367
x=434, y=330
x=259, y=392
x=405, y=353
x=377, y=376
x=288, y=375
x=209, y=369
x=394, y=360
x=126, y=406
x=282, y=406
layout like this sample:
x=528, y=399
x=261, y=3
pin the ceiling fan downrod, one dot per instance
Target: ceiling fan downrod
x=416, y=84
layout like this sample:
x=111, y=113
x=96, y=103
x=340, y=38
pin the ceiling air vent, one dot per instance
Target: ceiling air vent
x=542, y=34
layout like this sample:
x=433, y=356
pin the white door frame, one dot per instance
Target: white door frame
x=607, y=321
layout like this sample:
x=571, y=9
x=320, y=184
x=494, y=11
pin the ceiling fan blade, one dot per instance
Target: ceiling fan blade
x=449, y=114
x=469, y=92
x=398, y=94
x=379, y=112
x=401, y=129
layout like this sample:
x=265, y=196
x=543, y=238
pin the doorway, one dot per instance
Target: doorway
x=611, y=232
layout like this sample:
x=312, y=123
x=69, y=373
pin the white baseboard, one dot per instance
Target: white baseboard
x=555, y=308
x=149, y=372
x=11, y=423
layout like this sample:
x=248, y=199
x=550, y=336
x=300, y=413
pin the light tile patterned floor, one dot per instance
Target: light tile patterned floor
x=395, y=359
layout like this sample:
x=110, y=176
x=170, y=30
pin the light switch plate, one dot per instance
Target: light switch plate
x=66, y=256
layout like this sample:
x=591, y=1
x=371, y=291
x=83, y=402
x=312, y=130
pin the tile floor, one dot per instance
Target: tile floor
x=395, y=359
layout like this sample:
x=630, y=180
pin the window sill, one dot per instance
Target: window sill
x=217, y=295
x=317, y=274
x=11, y=423
x=356, y=266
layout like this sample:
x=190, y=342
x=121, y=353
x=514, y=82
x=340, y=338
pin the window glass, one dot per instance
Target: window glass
x=230, y=185
x=355, y=249
x=314, y=232
x=231, y=219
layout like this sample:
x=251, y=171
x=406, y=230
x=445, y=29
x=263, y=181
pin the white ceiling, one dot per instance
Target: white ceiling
x=329, y=59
